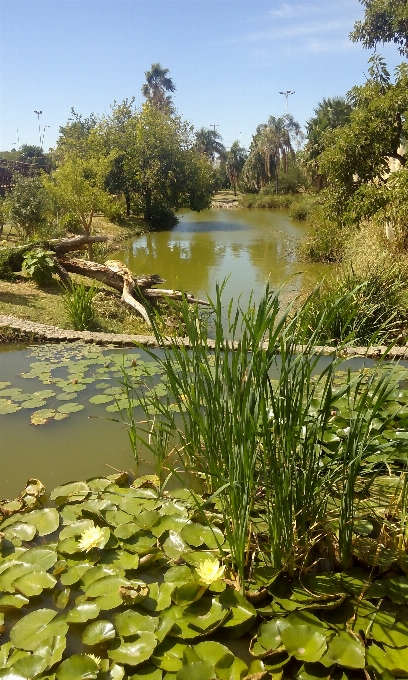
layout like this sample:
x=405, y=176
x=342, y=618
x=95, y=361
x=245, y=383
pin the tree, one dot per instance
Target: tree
x=236, y=158
x=384, y=21
x=162, y=163
x=118, y=145
x=77, y=185
x=357, y=155
x=329, y=114
x=27, y=205
x=155, y=88
x=209, y=142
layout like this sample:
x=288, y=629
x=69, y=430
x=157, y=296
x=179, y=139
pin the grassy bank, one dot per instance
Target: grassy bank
x=299, y=205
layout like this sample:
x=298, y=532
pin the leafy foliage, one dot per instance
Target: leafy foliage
x=78, y=303
x=40, y=265
x=156, y=86
x=384, y=21
x=27, y=205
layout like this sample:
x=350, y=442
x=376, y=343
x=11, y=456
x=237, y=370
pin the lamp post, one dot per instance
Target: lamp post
x=39, y=126
x=286, y=94
x=214, y=125
x=43, y=134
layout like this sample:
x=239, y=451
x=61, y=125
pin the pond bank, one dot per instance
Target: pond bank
x=12, y=328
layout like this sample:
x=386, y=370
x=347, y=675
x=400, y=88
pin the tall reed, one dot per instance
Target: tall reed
x=78, y=303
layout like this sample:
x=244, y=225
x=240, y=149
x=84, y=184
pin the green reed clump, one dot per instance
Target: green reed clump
x=259, y=442
x=78, y=303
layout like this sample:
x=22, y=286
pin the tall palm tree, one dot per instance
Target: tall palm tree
x=236, y=158
x=209, y=142
x=155, y=88
x=275, y=143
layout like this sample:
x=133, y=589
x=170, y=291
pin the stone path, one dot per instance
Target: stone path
x=32, y=331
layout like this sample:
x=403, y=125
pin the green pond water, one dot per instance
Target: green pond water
x=250, y=247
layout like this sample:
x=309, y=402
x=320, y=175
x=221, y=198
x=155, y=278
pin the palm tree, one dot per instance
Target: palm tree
x=155, y=88
x=236, y=158
x=209, y=143
x=274, y=142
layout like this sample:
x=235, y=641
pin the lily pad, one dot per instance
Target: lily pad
x=303, y=642
x=130, y=622
x=78, y=667
x=134, y=653
x=346, y=650
x=98, y=631
x=71, y=407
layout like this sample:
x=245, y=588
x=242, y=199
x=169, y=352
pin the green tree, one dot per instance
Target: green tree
x=77, y=185
x=162, y=163
x=209, y=142
x=27, y=205
x=118, y=143
x=235, y=162
x=274, y=142
x=155, y=88
x=329, y=114
x=356, y=159
x=384, y=21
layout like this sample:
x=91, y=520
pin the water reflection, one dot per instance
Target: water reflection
x=249, y=247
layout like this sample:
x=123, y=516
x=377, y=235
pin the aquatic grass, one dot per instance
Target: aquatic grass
x=78, y=303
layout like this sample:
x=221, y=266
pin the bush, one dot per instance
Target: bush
x=115, y=210
x=326, y=241
x=373, y=305
x=39, y=265
x=300, y=210
x=72, y=223
x=78, y=303
x=27, y=205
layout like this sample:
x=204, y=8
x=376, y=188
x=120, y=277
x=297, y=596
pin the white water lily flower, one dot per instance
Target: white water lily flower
x=97, y=659
x=94, y=537
x=210, y=571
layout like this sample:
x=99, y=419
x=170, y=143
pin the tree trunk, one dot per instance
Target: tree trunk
x=127, y=199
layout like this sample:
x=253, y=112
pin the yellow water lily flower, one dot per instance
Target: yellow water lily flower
x=210, y=571
x=97, y=659
x=94, y=537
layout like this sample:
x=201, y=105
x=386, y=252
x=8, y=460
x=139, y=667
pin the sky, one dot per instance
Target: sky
x=229, y=59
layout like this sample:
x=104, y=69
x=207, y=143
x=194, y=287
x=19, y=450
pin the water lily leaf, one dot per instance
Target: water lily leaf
x=118, y=517
x=12, y=571
x=101, y=399
x=76, y=528
x=29, y=666
x=52, y=650
x=303, y=642
x=12, y=602
x=200, y=618
x=70, y=493
x=46, y=520
x=82, y=612
x=269, y=637
x=42, y=416
x=64, y=396
x=109, y=601
x=97, y=632
x=71, y=407
x=29, y=631
x=188, y=593
x=147, y=518
x=386, y=631
x=75, y=573
x=134, y=653
x=397, y=589
x=169, y=655
x=174, y=546
x=130, y=623
x=4, y=384
x=179, y=574
x=11, y=392
x=77, y=667
x=61, y=598
x=147, y=673
x=34, y=583
x=68, y=546
x=242, y=613
x=158, y=597
x=8, y=407
x=198, y=670
x=313, y=671
x=20, y=530
x=346, y=650
x=33, y=403
x=126, y=530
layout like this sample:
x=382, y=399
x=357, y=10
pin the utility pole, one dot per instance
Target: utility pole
x=286, y=94
x=43, y=134
x=214, y=125
x=39, y=126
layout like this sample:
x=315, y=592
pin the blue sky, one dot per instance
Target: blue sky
x=228, y=58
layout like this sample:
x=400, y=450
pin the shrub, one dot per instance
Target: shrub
x=373, y=307
x=27, y=205
x=78, y=303
x=72, y=223
x=326, y=240
x=39, y=265
x=300, y=210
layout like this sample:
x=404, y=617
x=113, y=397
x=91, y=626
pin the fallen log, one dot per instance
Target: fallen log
x=135, y=290
x=65, y=245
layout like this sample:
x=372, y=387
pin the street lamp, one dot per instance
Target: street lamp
x=214, y=125
x=39, y=127
x=286, y=94
x=45, y=126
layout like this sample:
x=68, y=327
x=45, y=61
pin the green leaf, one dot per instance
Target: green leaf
x=346, y=650
x=147, y=673
x=169, y=655
x=269, y=637
x=106, y=585
x=46, y=520
x=34, y=583
x=70, y=493
x=42, y=416
x=303, y=642
x=82, y=612
x=198, y=670
x=130, y=623
x=134, y=653
x=101, y=399
x=29, y=631
x=174, y=546
x=8, y=407
x=12, y=602
x=97, y=632
x=71, y=407
x=77, y=667
x=20, y=530
x=243, y=613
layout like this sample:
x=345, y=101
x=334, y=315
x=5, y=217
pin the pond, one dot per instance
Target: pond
x=250, y=247
x=247, y=247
